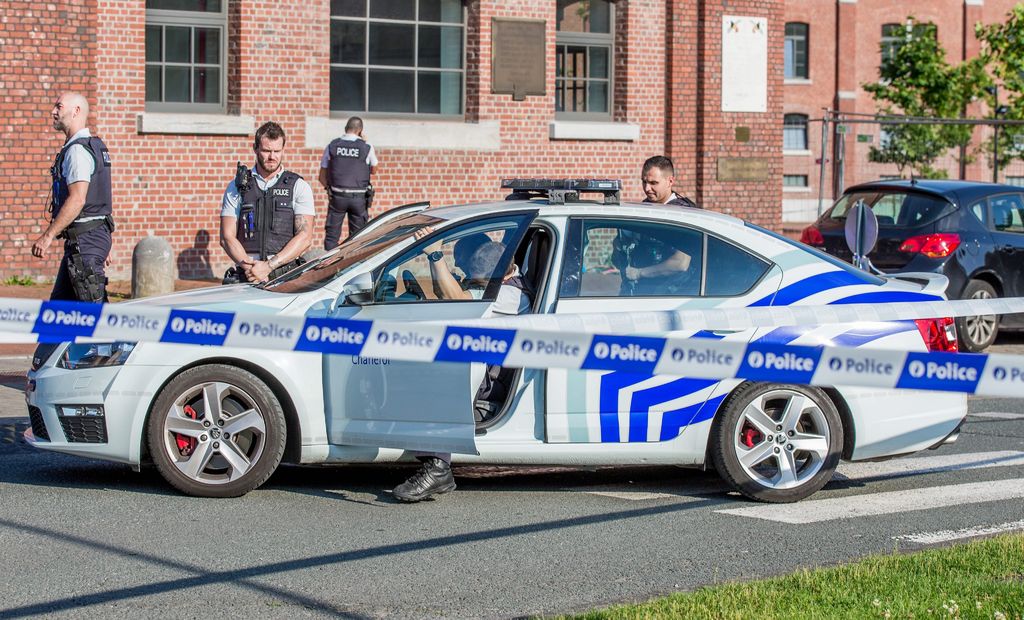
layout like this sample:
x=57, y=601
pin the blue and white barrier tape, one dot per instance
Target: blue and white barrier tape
x=994, y=375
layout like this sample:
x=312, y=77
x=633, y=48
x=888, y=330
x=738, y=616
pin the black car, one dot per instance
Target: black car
x=971, y=232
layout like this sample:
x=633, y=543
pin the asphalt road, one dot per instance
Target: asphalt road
x=83, y=538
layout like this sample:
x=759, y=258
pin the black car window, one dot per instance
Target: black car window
x=730, y=270
x=978, y=210
x=895, y=209
x=1007, y=213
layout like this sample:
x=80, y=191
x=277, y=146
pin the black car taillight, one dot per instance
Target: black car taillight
x=939, y=334
x=812, y=236
x=938, y=245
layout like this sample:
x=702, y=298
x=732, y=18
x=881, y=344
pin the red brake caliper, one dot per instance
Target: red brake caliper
x=750, y=436
x=187, y=444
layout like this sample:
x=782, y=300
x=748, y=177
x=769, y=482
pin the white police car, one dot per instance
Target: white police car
x=217, y=421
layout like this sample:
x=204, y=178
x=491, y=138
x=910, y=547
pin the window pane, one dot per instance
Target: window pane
x=153, y=34
x=570, y=95
x=177, y=84
x=392, y=44
x=597, y=93
x=348, y=42
x=393, y=9
x=440, y=93
x=207, y=85
x=441, y=47
x=731, y=271
x=583, y=16
x=441, y=11
x=575, y=61
x=391, y=91
x=153, y=87
x=794, y=180
x=178, y=44
x=794, y=132
x=348, y=8
x=789, y=58
x=348, y=90
x=206, y=6
x=599, y=62
x=207, y=46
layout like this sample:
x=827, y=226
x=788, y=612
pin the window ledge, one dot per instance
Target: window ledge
x=197, y=124
x=408, y=134
x=795, y=189
x=796, y=152
x=797, y=81
x=589, y=130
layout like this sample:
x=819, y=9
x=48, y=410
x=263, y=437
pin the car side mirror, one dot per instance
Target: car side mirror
x=359, y=290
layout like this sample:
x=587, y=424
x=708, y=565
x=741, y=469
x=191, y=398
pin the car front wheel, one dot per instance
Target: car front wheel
x=216, y=431
x=977, y=333
x=777, y=443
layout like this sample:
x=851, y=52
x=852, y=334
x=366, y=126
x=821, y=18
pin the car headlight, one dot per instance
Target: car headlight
x=95, y=354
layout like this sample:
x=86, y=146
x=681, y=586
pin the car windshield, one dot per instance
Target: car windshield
x=895, y=209
x=316, y=273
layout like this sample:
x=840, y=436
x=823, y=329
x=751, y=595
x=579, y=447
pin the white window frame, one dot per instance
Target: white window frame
x=192, y=20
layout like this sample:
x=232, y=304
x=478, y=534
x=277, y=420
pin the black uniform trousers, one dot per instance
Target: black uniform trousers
x=95, y=247
x=352, y=203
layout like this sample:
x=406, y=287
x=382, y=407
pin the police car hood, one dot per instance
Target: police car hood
x=231, y=298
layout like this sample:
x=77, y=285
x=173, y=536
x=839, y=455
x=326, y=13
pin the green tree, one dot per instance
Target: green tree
x=1002, y=52
x=916, y=80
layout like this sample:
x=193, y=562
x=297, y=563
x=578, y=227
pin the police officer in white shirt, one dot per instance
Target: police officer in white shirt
x=345, y=170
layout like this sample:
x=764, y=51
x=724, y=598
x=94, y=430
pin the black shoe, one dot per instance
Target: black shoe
x=433, y=478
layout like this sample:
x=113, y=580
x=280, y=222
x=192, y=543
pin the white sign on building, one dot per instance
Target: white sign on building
x=744, y=64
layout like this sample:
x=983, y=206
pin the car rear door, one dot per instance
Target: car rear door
x=372, y=400
x=626, y=405
x=1007, y=228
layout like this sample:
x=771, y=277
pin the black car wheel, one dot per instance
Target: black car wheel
x=216, y=431
x=776, y=443
x=976, y=333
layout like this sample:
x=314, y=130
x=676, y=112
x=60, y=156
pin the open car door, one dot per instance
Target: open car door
x=426, y=406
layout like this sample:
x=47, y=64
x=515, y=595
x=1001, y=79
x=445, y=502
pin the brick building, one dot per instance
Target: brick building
x=833, y=48
x=177, y=88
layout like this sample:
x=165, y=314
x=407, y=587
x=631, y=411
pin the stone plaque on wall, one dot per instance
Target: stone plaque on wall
x=742, y=168
x=517, y=57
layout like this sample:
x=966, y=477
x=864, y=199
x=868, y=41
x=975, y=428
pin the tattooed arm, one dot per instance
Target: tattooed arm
x=299, y=243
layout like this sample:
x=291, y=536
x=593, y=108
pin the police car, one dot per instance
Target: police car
x=217, y=421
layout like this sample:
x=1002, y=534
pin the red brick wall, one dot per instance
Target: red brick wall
x=47, y=49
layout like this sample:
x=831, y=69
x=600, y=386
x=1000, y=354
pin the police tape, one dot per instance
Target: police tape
x=993, y=374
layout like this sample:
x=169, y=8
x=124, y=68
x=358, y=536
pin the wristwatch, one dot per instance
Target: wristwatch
x=435, y=256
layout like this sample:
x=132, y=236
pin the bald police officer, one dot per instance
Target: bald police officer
x=81, y=205
x=345, y=170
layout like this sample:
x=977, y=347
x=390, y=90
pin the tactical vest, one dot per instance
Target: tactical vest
x=266, y=219
x=346, y=164
x=98, y=200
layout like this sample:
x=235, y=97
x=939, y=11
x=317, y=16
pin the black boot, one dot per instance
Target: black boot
x=433, y=478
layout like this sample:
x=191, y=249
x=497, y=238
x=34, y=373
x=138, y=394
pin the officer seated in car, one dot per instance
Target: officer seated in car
x=514, y=297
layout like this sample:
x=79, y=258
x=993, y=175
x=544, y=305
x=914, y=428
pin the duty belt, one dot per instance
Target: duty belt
x=77, y=228
x=348, y=190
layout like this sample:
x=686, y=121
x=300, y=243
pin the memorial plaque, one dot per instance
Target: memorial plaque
x=742, y=168
x=517, y=57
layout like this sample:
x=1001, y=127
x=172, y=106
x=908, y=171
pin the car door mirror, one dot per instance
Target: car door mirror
x=359, y=290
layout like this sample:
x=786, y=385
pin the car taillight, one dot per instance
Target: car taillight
x=812, y=236
x=938, y=245
x=938, y=334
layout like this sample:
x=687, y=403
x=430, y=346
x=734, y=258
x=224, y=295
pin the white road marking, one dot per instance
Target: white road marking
x=999, y=415
x=932, y=538
x=633, y=496
x=929, y=464
x=865, y=505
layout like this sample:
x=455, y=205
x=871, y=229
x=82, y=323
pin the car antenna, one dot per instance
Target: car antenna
x=913, y=179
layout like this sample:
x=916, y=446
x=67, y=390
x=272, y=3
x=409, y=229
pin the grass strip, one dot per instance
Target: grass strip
x=979, y=579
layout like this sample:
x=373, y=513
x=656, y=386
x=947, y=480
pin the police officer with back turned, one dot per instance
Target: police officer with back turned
x=81, y=205
x=266, y=217
x=345, y=170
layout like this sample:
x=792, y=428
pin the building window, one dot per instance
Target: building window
x=891, y=39
x=583, y=59
x=398, y=56
x=1012, y=180
x=794, y=180
x=186, y=55
x=794, y=132
x=796, y=51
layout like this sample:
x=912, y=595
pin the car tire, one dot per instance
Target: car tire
x=977, y=333
x=216, y=431
x=776, y=443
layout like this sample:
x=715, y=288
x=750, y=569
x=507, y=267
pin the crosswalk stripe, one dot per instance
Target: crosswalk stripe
x=890, y=502
x=999, y=415
x=929, y=464
x=933, y=538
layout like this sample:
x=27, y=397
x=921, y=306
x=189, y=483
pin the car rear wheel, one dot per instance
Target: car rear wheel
x=977, y=333
x=777, y=443
x=216, y=431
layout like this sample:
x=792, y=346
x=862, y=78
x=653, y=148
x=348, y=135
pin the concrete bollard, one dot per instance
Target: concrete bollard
x=152, y=268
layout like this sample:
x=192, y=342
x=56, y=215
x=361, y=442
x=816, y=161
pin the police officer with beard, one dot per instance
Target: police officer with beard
x=81, y=205
x=266, y=217
x=345, y=170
